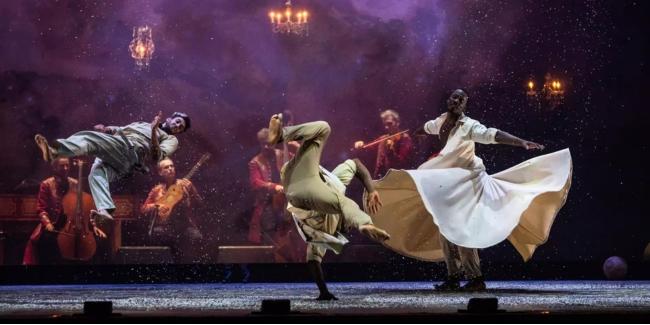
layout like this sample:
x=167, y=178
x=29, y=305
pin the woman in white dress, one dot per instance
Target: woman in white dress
x=449, y=207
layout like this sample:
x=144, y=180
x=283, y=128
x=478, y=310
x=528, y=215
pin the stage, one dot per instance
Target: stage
x=376, y=300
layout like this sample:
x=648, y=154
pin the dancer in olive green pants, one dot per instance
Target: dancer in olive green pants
x=317, y=198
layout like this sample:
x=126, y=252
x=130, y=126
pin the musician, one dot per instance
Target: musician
x=393, y=152
x=178, y=231
x=42, y=247
x=119, y=151
x=264, y=178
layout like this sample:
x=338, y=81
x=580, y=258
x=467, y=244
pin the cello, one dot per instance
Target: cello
x=76, y=240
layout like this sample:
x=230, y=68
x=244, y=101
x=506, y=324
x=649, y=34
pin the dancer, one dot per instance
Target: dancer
x=119, y=151
x=450, y=206
x=317, y=197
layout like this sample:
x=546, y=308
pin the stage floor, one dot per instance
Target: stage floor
x=377, y=298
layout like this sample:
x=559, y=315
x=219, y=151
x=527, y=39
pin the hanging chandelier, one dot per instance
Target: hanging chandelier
x=550, y=95
x=142, y=47
x=290, y=22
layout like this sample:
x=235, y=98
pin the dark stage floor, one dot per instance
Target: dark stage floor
x=408, y=299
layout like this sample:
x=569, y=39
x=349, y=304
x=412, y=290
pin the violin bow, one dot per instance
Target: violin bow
x=383, y=138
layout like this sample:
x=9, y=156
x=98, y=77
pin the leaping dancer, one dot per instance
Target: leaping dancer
x=317, y=197
x=118, y=152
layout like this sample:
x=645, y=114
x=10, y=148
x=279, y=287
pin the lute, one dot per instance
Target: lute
x=174, y=193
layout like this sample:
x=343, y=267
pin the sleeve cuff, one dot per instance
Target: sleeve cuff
x=428, y=127
x=491, y=135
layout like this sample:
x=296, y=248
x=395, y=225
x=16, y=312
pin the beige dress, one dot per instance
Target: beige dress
x=453, y=195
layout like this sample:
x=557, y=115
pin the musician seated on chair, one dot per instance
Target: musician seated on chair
x=173, y=226
x=42, y=246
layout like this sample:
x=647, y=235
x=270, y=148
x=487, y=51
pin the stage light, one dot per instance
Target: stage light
x=275, y=306
x=482, y=305
x=98, y=308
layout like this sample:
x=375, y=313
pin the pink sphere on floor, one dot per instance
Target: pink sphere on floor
x=615, y=268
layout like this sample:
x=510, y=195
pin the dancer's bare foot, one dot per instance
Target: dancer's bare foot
x=275, y=129
x=47, y=151
x=326, y=296
x=374, y=233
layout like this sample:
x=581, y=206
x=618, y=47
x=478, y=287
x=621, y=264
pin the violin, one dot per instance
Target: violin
x=391, y=137
x=76, y=239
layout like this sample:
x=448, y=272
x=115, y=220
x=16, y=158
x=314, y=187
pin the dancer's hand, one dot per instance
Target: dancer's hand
x=156, y=120
x=49, y=227
x=279, y=188
x=529, y=145
x=99, y=233
x=99, y=128
x=373, y=202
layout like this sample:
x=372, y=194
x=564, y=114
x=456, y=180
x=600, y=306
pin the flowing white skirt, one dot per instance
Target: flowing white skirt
x=471, y=208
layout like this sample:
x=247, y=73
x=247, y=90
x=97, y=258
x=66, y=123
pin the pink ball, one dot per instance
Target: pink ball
x=615, y=268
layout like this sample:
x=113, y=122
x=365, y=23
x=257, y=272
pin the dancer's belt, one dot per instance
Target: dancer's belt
x=137, y=166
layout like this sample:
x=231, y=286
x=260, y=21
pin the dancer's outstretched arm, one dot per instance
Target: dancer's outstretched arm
x=509, y=139
x=373, y=201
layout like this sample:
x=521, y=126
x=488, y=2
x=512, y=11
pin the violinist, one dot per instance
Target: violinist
x=42, y=246
x=395, y=151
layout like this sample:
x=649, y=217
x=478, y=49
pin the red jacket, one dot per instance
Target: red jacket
x=48, y=202
x=259, y=176
x=397, y=158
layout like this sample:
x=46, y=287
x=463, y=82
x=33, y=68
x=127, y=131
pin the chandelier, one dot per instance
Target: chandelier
x=142, y=47
x=288, y=22
x=550, y=95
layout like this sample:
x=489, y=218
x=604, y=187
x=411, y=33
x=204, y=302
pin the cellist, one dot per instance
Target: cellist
x=42, y=247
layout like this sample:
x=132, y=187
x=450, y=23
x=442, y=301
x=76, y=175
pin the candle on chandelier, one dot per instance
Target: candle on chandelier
x=272, y=15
